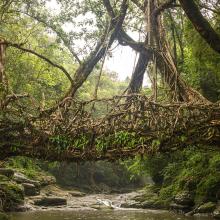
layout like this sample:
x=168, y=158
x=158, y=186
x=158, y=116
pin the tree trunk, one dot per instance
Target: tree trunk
x=166, y=64
x=201, y=24
x=136, y=82
x=3, y=79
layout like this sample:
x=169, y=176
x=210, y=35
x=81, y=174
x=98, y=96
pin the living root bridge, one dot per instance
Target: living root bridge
x=121, y=127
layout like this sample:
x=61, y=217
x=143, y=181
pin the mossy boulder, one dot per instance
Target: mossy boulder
x=180, y=208
x=208, y=188
x=12, y=195
x=149, y=198
x=206, y=208
x=132, y=204
x=21, y=178
x=30, y=189
x=77, y=194
x=184, y=198
x=46, y=180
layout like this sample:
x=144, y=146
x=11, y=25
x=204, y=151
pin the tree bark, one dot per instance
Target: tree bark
x=201, y=24
x=3, y=79
x=137, y=78
x=86, y=68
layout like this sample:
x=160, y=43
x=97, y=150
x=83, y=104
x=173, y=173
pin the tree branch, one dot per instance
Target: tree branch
x=19, y=46
x=139, y=5
x=95, y=56
x=60, y=33
x=164, y=6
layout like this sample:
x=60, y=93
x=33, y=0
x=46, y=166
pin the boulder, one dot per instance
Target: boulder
x=216, y=213
x=31, y=189
x=7, y=172
x=180, y=208
x=184, y=198
x=132, y=204
x=12, y=195
x=47, y=180
x=50, y=201
x=21, y=208
x=148, y=204
x=206, y=208
x=153, y=204
x=77, y=194
x=21, y=178
x=100, y=207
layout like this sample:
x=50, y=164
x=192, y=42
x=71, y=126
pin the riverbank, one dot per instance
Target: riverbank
x=33, y=189
x=21, y=193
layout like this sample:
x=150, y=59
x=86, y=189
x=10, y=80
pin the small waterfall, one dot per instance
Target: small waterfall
x=109, y=203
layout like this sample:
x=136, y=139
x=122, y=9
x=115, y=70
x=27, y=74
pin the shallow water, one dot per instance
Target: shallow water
x=102, y=215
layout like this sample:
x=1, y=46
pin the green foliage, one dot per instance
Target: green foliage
x=208, y=187
x=202, y=65
x=121, y=139
x=150, y=165
x=125, y=139
x=81, y=142
x=207, y=207
x=195, y=171
x=60, y=143
x=192, y=170
x=29, y=167
x=92, y=174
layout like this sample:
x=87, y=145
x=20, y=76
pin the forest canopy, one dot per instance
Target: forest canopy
x=53, y=46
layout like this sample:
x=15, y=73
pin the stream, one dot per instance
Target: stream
x=94, y=207
x=103, y=215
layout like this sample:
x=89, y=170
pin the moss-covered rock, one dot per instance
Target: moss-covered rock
x=11, y=195
x=30, y=189
x=180, y=208
x=208, y=188
x=46, y=180
x=206, y=208
x=184, y=198
x=21, y=178
x=151, y=199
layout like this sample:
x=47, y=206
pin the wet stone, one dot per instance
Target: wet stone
x=50, y=201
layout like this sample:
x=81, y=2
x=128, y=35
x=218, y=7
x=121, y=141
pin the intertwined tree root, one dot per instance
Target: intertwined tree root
x=120, y=127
